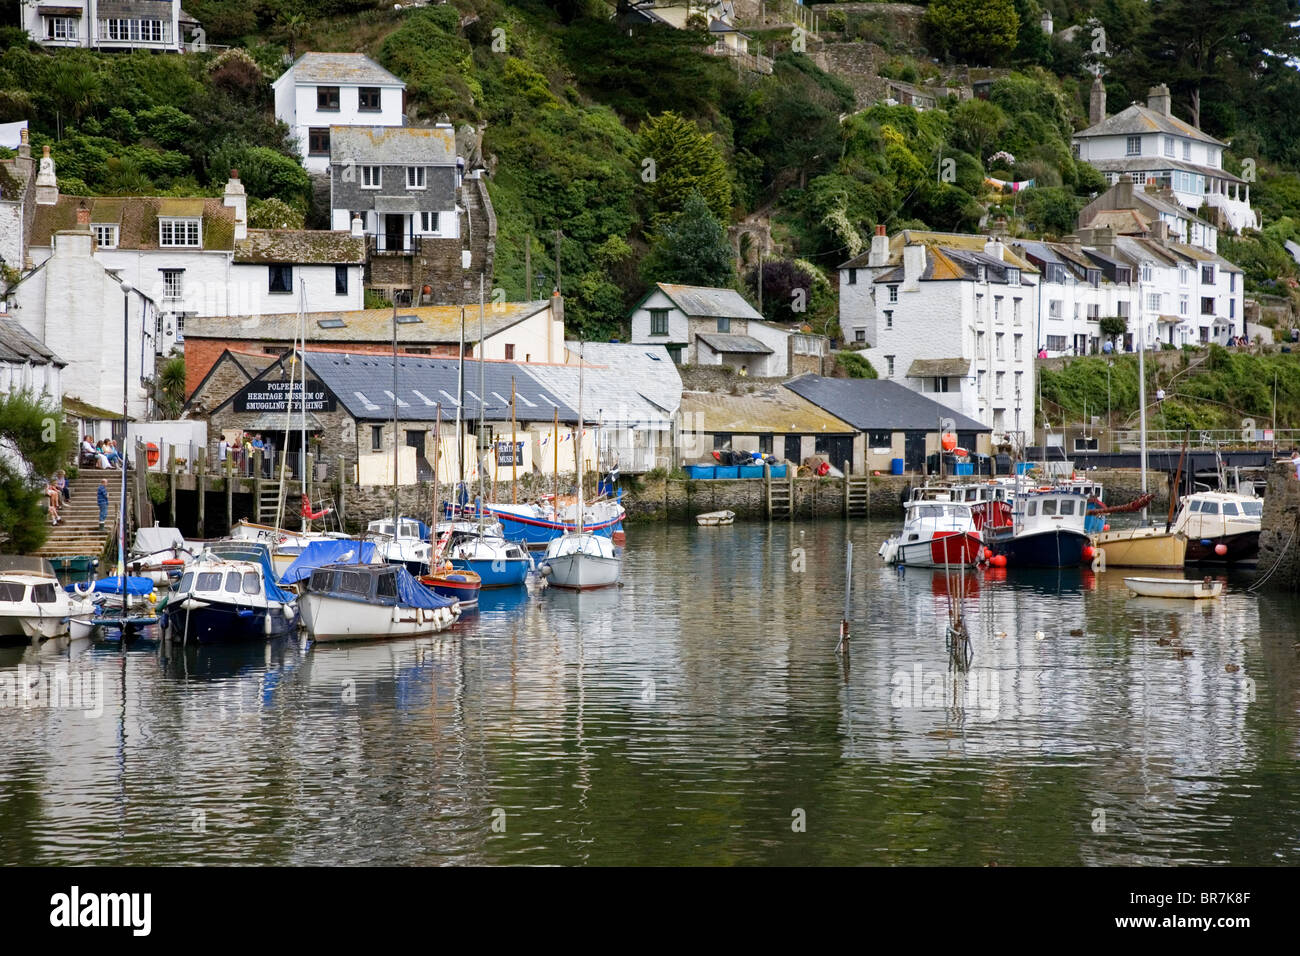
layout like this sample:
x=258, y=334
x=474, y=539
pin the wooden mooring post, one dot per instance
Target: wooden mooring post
x=202, y=466
x=171, y=481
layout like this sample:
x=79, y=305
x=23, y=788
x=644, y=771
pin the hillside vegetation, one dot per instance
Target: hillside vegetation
x=607, y=136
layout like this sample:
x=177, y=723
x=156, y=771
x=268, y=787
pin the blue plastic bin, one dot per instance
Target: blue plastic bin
x=1024, y=467
x=726, y=471
x=751, y=471
x=963, y=468
x=778, y=471
x=699, y=471
x=896, y=466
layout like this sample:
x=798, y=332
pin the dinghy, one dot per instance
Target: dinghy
x=1174, y=588
x=714, y=518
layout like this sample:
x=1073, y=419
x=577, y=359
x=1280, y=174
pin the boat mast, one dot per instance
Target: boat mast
x=482, y=406
x=577, y=446
x=460, y=401
x=1142, y=408
x=514, y=449
x=437, y=447
x=555, y=469
x=288, y=412
x=396, y=509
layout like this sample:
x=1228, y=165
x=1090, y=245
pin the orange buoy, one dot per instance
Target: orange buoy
x=999, y=560
x=1105, y=527
x=949, y=441
x=1088, y=552
x=1220, y=549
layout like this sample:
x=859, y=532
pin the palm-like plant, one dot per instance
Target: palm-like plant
x=293, y=25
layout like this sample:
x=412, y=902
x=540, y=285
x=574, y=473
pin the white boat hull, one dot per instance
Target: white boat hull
x=329, y=618
x=714, y=518
x=1174, y=588
x=32, y=627
x=580, y=572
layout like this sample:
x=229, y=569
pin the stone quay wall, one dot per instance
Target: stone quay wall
x=1279, y=538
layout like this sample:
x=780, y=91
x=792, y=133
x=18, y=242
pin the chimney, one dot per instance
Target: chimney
x=1158, y=99
x=1046, y=22
x=999, y=227
x=1075, y=242
x=1103, y=239
x=236, y=199
x=995, y=248
x=913, y=264
x=83, y=216
x=1124, y=192
x=1160, y=230
x=24, y=144
x=47, y=186
x=1097, y=102
x=358, y=227
x=879, y=248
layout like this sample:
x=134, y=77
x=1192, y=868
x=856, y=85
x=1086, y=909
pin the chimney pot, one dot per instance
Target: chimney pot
x=880, y=229
x=83, y=214
x=234, y=174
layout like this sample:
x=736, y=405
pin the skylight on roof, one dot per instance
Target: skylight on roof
x=408, y=319
x=653, y=357
x=331, y=323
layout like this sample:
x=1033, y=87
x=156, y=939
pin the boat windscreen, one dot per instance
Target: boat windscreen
x=25, y=564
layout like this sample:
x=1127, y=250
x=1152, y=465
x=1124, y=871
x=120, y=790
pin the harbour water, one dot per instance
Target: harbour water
x=699, y=714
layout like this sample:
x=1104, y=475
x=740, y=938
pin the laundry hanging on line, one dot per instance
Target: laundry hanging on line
x=1004, y=184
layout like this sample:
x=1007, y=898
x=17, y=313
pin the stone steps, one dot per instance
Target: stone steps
x=78, y=532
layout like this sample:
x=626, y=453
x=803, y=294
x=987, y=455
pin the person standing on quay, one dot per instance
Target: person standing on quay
x=101, y=498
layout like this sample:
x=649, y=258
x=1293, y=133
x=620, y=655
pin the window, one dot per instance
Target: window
x=997, y=308
x=889, y=366
x=1232, y=308
x=368, y=99
x=721, y=439
x=1153, y=301
x=105, y=236
x=418, y=350
x=414, y=177
x=372, y=177
x=510, y=353
x=252, y=582
x=1184, y=275
x=1031, y=509
x=209, y=581
x=998, y=378
x=980, y=383
x=1056, y=343
x=1207, y=275
x=280, y=278
x=327, y=98
x=979, y=344
x=1187, y=149
x=233, y=581
x=939, y=384
x=140, y=31
x=853, y=277
x=889, y=319
x=340, y=280
x=1019, y=376
x=880, y=439
x=724, y=324
x=765, y=444
x=1094, y=277
x=1232, y=282
x=1133, y=146
x=178, y=232
x=1055, y=309
x=1017, y=346
x=893, y=293
x=1207, y=305
x=429, y=221
x=1183, y=305
x=997, y=343
x=658, y=321
x=1146, y=272
x=980, y=273
x=1210, y=508
x=1015, y=311
x=173, y=283
x=60, y=28
x=1013, y=277
x=376, y=437
x=318, y=141
x=1169, y=146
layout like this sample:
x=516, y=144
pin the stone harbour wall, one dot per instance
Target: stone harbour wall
x=1279, y=538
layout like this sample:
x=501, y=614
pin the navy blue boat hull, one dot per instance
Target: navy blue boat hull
x=1043, y=549
x=224, y=624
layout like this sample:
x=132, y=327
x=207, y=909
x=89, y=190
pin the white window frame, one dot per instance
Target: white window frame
x=1169, y=146
x=415, y=177
x=1146, y=272
x=429, y=223
x=106, y=235
x=1187, y=150
x=1133, y=146
x=173, y=284
x=893, y=293
x=167, y=233
x=372, y=177
x=1184, y=303
x=68, y=25
x=1153, y=302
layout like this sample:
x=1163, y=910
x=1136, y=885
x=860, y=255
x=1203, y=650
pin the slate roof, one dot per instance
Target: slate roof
x=946, y=263
x=1138, y=119
x=349, y=68
x=707, y=303
x=730, y=344
x=931, y=368
x=1147, y=163
x=439, y=324
x=393, y=146
x=776, y=411
x=957, y=241
x=1123, y=221
x=301, y=245
x=137, y=219
x=878, y=405
x=621, y=386
x=20, y=346
x=362, y=383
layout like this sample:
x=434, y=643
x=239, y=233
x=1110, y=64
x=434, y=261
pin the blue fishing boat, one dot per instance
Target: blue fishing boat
x=1047, y=530
x=536, y=524
x=229, y=594
x=498, y=562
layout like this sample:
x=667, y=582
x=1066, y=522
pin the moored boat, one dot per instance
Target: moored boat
x=1144, y=547
x=1192, y=589
x=1221, y=527
x=939, y=529
x=1047, y=530
x=712, y=519
x=582, y=561
x=229, y=594
x=32, y=605
x=348, y=602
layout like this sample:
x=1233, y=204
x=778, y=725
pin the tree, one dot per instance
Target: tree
x=976, y=31
x=169, y=388
x=692, y=249
x=273, y=214
x=978, y=123
x=34, y=443
x=677, y=160
x=1113, y=326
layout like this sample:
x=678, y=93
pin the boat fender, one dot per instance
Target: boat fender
x=287, y=610
x=544, y=570
x=397, y=614
x=164, y=621
x=83, y=591
x=266, y=623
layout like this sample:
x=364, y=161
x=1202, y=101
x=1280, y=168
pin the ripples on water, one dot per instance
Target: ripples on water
x=691, y=717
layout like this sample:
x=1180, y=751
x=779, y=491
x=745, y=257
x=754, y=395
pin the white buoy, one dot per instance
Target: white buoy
x=1039, y=635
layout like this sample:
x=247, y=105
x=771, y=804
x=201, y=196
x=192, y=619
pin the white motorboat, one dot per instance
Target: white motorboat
x=1174, y=588
x=158, y=553
x=32, y=604
x=581, y=560
x=408, y=547
x=1220, y=527
x=939, y=528
x=712, y=519
x=349, y=602
x=229, y=594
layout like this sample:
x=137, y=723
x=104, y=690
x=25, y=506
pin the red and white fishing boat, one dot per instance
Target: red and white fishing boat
x=939, y=529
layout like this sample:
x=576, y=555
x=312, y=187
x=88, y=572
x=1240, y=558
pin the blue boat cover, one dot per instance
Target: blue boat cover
x=414, y=594
x=319, y=553
x=135, y=586
x=258, y=553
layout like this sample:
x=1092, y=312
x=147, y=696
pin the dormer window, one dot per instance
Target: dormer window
x=1013, y=277
x=981, y=273
x=105, y=235
x=1094, y=277
x=327, y=98
x=179, y=232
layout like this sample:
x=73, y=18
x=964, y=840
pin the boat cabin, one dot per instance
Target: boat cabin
x=406, y=528
x=27, y=580
x=1049, y=510
x=220, y=581
x=368, y=583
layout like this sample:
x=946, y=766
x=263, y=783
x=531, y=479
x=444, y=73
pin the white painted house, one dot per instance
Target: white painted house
x=27, y=365
x=952, y=317
x=699, y=325
x=159, y=25
x=1150, y=144
x=1152, y=210
x=1077, y=289
x=197, y=256
x=324, y=90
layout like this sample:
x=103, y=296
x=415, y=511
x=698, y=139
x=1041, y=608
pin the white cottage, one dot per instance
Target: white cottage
x=324, y=90
x=27, y=365
x=159, y=25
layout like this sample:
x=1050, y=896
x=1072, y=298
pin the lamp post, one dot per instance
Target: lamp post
x=1109, y=366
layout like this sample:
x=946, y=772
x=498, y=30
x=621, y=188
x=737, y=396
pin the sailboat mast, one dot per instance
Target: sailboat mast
x=514, y=449
x=1142, y=408
x=395, y=504
x=460, y=402
x=577, y=445
x=437, y=448
x=482, y=404
x=555, y=469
